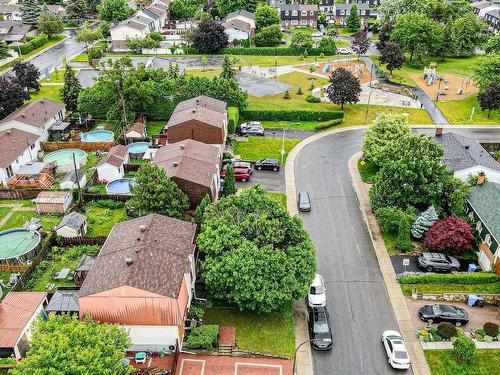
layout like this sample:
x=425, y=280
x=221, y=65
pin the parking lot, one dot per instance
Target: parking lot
x=271, y=181
x=260, y=86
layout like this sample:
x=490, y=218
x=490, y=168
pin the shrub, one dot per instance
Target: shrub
x=447, y=330
x=465, y=349
x=389, y=218
x=449, y=235
x=203, y=337
x=299, y=91
x=313, y=99
x=424, y=221
x=26, y=48
x=488, y=339
x=461, y=278
x=480, y=333
x=292, y=115
x=95, y=54
x=262, y=51
x=491, y=329
x=234, y=117
x=327, y=124
x=403, y=242
x=108, y=203
x=286, y=95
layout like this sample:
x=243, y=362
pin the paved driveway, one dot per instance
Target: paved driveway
x=397, y=263
x=271, y=181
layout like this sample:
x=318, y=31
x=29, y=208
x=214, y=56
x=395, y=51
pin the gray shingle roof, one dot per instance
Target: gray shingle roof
x=485, y=200
x=73, y=220
x=63, y=301
x=242, y=12
x=461, y=153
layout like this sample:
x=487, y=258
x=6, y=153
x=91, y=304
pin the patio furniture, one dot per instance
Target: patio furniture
x=140, y=357
x=61, y=275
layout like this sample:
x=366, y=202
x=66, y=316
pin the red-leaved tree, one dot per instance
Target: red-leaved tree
x=449, y=235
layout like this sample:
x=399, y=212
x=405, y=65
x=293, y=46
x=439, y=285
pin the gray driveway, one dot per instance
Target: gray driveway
x=271, y=181
x=259, y=86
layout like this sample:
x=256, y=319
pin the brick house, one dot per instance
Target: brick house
x=365, y=11
x=203, y=119
x=308, y=15
x=193, y=166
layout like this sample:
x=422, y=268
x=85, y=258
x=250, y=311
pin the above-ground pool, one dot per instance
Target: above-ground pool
x=138, y=147
x=120, y=186
x=18, y=245
x=64, y=158
x=98, y=136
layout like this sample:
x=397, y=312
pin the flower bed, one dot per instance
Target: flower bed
x=432, y=335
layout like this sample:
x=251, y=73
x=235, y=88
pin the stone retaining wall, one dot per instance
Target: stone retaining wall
x=490, y=299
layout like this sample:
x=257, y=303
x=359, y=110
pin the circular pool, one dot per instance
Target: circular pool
x=120, y=186
x=138, y=147
x=64, y=158
x=18, y=245
x=98, y=136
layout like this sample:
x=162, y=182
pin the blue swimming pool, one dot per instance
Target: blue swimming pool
x=138, y=147
x=120, y=186
x=98, y=136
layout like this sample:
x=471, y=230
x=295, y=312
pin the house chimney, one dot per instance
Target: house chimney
x=142, y=228
x=439, y=131
x=175, y=164
x=480, y=178
x=9, y=132
x=129, y=261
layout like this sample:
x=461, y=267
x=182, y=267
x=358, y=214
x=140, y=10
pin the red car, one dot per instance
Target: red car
x=240, y=174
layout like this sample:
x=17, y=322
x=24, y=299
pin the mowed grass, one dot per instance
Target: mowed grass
x=458, y=112
x=255, y=148
x=19, y=218
x=22, y=202
x=47, y=91
x=101, y=220
x=271, y=333
x=484, y=288
x=208, y=73
x=367, y=170
x=4, y=211
x=154, y=127
x=445, y=362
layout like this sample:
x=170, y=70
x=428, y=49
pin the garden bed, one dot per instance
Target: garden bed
x=102, y=216
x=445, y=362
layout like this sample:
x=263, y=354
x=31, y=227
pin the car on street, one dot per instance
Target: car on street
x=343, y=51
x=304, y=202
x=443, y=313
x=267, y=164
x=438, y=262
x=396, y=350
x=320, y=329
x=317, y=295
x=240, y=174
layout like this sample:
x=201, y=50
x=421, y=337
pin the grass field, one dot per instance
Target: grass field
x=208, y=73
x=101, y=220
x=154, y=127
x=280, y=197
x=271, y=334
x=47, y=91
x=487, y=288
x=256, y=148
x=445, y=362
x=19, y=218
x=458, y=112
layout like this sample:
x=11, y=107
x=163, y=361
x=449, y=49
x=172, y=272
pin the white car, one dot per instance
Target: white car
x=317, y=34
x=343, y=51
x=396, y=350
x=316, y=296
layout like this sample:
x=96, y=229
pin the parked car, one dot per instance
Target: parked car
x=320, y=329
x=443, y=313
x=343, y=51
x=317, y=34
x=268, y=164
x=304, y=202
x=438, y=262
x=243, y=165
x=255, y=131
x=317, y=295
x=251, y=128
x=396, y=350
x=240, y=174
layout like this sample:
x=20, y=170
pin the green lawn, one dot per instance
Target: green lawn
x=101, y=220
x=4, y=211
x=297, y=125
x=344, y=32
x=279, y=197
x=56, y=76
x=272, y=334
x=342, y=43
x=19, y=218
x=47, y=91
x=367, y=170
x=458, y=112
x=208, y=73
x=22, y=202
x=390, y=241
x=303, y=80
x=256, y=148
x=155, y=127
x=444, y=362
x=487, y=288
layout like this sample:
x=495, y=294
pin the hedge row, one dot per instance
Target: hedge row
x=461, y=278
x=328, y=124
x=260, y=51
x=291, y=115
x=233, y=113
x=33, y=44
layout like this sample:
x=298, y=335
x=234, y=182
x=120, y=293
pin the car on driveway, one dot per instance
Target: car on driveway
x=267, y=164
x=396, y=350
x=320, y=329
x=343, y=51
x=255, y=131
x=243, y=165
x=240, y=174
x=443, y=313
x=250, y=128
x=304, y=202
x=317, y=295
x=438, y=262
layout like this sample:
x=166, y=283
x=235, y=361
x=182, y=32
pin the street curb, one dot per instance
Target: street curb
x=398, y=302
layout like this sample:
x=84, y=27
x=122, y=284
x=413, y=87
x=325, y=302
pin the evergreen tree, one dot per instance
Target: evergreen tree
x=229, y=182
x=71, y=89
x=227, y=68
x=353, y=22
x=77, y=11
x=30, y=11
x=200, y=210
x=424, y=222
x=403, y=242
x=4, y=50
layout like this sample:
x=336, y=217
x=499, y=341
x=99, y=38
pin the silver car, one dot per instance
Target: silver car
x=438, y=262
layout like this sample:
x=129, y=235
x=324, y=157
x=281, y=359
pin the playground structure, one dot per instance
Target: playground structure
x=356, y=67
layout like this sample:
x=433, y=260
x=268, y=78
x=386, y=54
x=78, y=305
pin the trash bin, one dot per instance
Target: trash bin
x=472, y=267
x=479, y=302
x=471, y=301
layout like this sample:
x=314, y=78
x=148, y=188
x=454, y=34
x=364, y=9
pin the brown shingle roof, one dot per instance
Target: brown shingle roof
x=116, y=156
x=202, y=108
x=202, y=101
x=238, y=25
x=190, y=160
x=35, y=113
x=13, y=143
x=159, y=255
x=138, y=127
x=16, y=310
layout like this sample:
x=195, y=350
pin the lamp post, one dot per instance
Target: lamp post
x=368, y=106
x=439, y=87
x=371, y=74
x=297, y=349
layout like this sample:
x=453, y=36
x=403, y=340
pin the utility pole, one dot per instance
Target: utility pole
x=77, y=179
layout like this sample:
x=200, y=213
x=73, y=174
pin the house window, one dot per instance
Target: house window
x=295, y=22
x=362, y=12
x=487, y=239
x=479, y=227
x=303, y=13
x=287, y=13
x=342, y=12
x=295, y=13
x=303, y=22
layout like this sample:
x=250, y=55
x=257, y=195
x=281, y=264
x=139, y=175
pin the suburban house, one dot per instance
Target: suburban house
x=73, y=180
x=483, y=209
x=135, y=27
x=308, y=15
x=53, y=202
x=17, y=147
x=143, y=278
x=64, y=301
x=328, y=8
x=16, y=32
x=137, y=130
x=466, y=157
x=10, y=12
x=156, y=14
x=33, y=174
x=18, y=312
x=239, y=25
x=35, y=117
x=72, y=225
x=492, y=18
x=203, y=119
x=298, y=14
x=111, y=167
x=58, y=10
x=365, y=11
x=193, y=166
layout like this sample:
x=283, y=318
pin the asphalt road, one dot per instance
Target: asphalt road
x=356, y=295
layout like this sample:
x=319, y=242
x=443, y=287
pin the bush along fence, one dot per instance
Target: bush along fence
x=291, y=115
x=99, y=240
x=33, y=44
x=262, y=51
x=97, y=197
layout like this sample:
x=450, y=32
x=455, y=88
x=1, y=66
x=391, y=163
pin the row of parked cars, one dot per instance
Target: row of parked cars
x=253, y=128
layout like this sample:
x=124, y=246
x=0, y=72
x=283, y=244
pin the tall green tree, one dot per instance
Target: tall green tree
x=327, y=46
x=182, y=10
x=114, y=11
x=487, y=70
x=27, y=75
x=87, y=35
x=227, y=68
x=77, y=11
x=156, y=193
x=353, y=22
x=489, y=99
x=71, y=89
x=66, y=345
x=229, y=182
x=269, y=36
x=301, y=41
x=256, y=255
x=30, y=11
x=493, y=44
x=224, y=7
x=4, y=50
x=200, y=210
x=468, y=33
x=266, y=15
x=12, y=96
x=50, y=24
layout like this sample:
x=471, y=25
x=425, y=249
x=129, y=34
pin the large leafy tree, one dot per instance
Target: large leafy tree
x=156, y=193
x=27, y=75
x=182, y=10
x=87, y=35
x=256, y=255
x=389, y=10
x=50, y=24
x=392, y=56
x=65, y=345
x=114, y=10
x=71, y=89
x=327, y=46
x=268, y=36
x=384, y=34
x=224, y=7
x=344, y=87
x=353, y=22
x=489, y=99
x=487, y=70
x=210, y=37
x=12, y=96
x=30, y=11
x=4, y=50
x=449, y=235
x=78, y=11
x=266, y=15
x=302, y=41
x=468, y=33
x=360, y=43
x=493, y=44
x=382, y=135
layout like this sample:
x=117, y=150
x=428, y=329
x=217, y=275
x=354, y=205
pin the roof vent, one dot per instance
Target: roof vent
x=182, y=147
x=42, y=101
x=194, y=110
x=142, y=228
x=129, y=261
x=466, y=147
x=9, y=132
x=23, y=115
x=175, y=164
x=480, y=178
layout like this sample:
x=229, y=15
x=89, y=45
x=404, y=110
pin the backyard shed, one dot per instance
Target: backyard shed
x=83, y=268
x=48, y=202
x=111, y=167
x=72, y=225
x=63, y=301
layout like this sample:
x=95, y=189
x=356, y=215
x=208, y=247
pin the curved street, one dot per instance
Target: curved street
x=357, y=299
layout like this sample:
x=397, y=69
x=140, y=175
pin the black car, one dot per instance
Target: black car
x=320, y=329
x=268, y=164
x=304, y=202
x=443, y=313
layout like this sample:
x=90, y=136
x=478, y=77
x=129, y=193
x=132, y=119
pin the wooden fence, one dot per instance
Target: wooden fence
x=49, y=146
x=131, y=167
x=99, y=240
x=97, y=197
x=19, y=193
